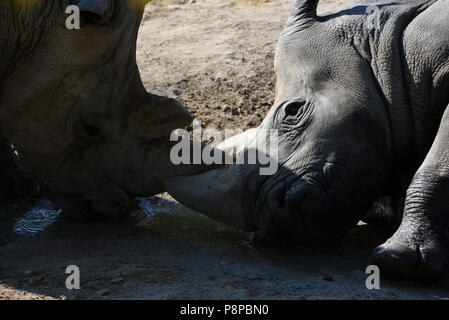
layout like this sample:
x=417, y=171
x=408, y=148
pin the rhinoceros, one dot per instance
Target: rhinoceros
x=73, y=105
x=361, y=112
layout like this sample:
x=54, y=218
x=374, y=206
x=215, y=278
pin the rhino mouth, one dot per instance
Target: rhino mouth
x=110, y=199
x=301, y=208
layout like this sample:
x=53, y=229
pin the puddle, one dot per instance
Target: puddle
x=170, y=218
x=159, y=214
x=37, y=219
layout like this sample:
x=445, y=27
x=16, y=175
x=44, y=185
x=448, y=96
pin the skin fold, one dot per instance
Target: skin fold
x=361, y=113
x=73, y=105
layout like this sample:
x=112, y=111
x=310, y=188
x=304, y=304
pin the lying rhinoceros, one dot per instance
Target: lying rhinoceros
x=361, y=111
x=73, y=105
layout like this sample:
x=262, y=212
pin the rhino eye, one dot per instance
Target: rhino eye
x=88, y=130
x=91, y=130
x=293, y=108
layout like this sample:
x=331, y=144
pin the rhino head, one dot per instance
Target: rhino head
x=334, y=141
x=74, y=106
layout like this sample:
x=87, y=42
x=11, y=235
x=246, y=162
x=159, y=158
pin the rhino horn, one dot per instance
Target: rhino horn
x=303, y=12
x=157, y=117
x=99, y=12
x=222, y=193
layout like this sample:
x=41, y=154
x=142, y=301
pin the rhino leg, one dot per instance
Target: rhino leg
x=15, y=180
x=419, y=248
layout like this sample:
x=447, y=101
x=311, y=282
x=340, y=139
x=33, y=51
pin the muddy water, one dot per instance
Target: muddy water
x=161, y=215
x=170, y=218
x=37, y=219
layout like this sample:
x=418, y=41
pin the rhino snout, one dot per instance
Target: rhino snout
x=283, y=213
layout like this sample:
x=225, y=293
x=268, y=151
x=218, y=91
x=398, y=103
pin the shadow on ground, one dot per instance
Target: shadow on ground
x=165, y=251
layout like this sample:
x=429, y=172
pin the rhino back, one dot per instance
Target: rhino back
x=377, y=29
x=23, y=25
x=426, y=51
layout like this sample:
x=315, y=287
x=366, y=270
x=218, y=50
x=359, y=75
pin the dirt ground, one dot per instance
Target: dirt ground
x=215, y=56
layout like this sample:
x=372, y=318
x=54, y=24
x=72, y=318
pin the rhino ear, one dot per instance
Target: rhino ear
x=99, y=12
x=303, y=12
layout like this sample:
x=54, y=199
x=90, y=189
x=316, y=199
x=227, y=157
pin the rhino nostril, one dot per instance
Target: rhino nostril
x=292, y=197
x=297, y=194
x=288, y=196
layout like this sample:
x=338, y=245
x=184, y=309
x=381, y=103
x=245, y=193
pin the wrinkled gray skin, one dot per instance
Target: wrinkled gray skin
x=361, y=113
x=73, y=105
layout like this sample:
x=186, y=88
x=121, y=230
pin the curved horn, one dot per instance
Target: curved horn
x=222, y=194
x=157, y=117
x=303, y=12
